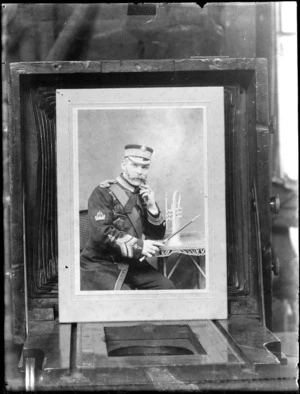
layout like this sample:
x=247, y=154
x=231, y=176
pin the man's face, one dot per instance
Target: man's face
x=134, y=172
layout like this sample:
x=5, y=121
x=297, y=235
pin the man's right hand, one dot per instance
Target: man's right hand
x=151, y=248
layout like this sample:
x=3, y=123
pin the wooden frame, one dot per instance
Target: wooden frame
x=210, y=303
x=32, y=97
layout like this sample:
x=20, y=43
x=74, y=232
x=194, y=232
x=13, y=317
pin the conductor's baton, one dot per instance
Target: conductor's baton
x=175, y=233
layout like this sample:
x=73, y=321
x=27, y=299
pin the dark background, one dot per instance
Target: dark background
x=49, y=32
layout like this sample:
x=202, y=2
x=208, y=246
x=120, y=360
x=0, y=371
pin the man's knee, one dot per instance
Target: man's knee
x=165, y=283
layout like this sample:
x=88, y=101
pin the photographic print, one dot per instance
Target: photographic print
x=141, y=200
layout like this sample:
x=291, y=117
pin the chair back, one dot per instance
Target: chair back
x=84, y=227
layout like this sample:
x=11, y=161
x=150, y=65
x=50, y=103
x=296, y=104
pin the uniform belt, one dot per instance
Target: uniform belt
x=122, y=275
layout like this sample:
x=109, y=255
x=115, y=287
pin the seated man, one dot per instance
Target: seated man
x=125, y=224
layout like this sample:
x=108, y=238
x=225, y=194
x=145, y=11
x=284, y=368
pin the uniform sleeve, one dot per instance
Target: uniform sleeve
x=103, y=233
x=155, y=226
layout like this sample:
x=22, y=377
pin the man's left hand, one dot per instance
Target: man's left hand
x=149, y=197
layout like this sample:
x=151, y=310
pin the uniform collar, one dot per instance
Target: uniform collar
x=123, y=182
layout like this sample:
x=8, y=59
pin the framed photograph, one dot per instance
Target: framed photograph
x=185, y=128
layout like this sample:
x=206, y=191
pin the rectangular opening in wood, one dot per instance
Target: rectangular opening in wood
x=152, y=340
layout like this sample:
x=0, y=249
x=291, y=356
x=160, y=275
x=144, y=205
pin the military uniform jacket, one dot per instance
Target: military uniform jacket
x=113, y=236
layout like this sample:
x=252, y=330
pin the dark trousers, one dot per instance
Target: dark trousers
x=140, y=275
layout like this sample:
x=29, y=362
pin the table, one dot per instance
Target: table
x=191, y=244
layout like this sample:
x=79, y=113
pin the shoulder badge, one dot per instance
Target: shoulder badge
x=107, y=183
x=99, y=216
